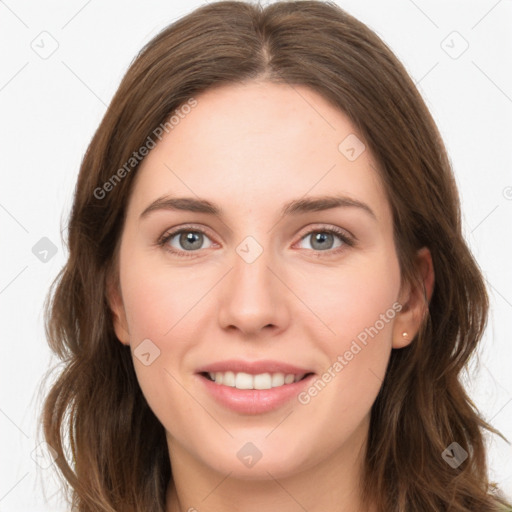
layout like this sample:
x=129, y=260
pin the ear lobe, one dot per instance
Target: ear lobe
x=416, y=299
x=116, y=306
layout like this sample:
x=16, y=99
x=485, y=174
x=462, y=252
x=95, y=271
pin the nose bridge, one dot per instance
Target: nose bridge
x=251, y=265
x=251, y=278
x=251, y=298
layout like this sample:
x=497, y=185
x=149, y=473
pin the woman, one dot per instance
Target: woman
x=249, y=371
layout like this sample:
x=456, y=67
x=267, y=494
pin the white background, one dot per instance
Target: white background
x=51, y=108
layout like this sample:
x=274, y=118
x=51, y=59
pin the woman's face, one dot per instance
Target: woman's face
x=263, y=286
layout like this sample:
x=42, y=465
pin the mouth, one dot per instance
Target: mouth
x=254, y=393
x=254, y=387
x=260, y=381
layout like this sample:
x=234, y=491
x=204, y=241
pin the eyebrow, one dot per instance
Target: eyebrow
x=295, y=207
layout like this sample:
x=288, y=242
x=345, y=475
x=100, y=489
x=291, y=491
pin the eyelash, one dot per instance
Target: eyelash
x=192, y=229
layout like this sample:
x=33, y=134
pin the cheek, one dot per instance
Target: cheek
x=168, y=306
x=354, y=299
x=162, y=306
x=160, y=300
x=359, y=305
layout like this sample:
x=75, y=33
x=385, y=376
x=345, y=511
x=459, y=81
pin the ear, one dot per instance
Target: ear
x=415, y=298
x=115, y=302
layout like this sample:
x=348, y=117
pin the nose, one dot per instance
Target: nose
x=253, y=298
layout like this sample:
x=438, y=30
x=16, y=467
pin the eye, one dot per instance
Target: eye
x=184, y=240
x=324, y=239
x=188, y=241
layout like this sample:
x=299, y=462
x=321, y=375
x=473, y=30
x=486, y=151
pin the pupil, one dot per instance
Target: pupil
x=321, y=237
x=192, y=238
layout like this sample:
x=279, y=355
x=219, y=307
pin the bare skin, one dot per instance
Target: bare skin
x=304, y=300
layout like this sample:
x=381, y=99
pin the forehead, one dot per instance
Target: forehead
x=260, y=144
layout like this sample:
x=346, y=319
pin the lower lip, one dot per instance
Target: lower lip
x=254, y=401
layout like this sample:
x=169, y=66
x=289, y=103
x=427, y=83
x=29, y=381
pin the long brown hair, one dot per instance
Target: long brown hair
x=119, y=459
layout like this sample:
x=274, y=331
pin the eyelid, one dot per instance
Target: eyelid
x=316, y=227
x=345, y=236
x=172, y=232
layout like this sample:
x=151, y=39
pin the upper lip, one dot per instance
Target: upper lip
x=253, y=367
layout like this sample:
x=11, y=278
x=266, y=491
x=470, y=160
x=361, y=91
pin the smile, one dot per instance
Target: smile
x=253, y=387
x=242, y=380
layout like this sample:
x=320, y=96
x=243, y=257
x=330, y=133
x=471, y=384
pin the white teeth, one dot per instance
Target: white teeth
x=277, y=379
x=228, y=378
x=289, y=378
x=262, y=381
x=243, y=380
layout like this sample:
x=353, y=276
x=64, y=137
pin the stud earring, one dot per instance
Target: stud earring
x=405, y=335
